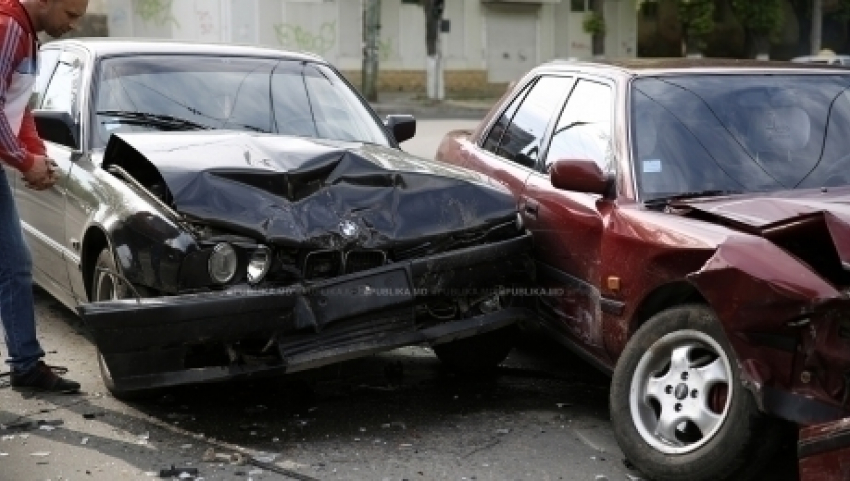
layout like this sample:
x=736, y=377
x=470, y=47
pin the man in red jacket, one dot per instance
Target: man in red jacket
x=21, y=149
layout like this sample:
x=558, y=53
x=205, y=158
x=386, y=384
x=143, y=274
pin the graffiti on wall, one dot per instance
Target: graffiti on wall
x=156, y=11
x=205, y=20
x=386, y=49
x=297, y=37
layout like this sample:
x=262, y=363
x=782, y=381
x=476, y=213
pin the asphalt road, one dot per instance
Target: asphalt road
x=398, y=416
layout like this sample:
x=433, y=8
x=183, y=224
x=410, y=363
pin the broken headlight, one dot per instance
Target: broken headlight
x=258, y=264
x=223, y=263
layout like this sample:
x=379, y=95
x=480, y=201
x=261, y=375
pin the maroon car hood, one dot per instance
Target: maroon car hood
x=765, y=211
x=769, y=215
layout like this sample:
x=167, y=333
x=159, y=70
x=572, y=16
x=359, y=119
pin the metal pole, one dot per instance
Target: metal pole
x=371, y=31
x=817, y=25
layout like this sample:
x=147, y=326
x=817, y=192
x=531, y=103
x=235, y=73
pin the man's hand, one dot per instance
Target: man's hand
x=42, y=175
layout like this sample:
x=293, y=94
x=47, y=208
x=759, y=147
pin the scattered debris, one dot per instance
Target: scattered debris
x=265, y=457
x=20, y=426
x=255, y=409
x=181, y=473
x=211, y=456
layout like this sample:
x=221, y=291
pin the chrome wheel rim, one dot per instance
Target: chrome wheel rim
x=105, y=287
x=681, y=391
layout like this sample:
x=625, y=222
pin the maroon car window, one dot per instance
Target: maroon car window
x=584, y=128
x=521, y=142
x=758, y=133
x=491, y=143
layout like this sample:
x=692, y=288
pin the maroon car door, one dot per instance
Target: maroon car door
x=511, y=148
x=568, y=226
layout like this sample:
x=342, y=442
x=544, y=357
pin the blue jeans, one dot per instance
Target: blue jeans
x=17, y=310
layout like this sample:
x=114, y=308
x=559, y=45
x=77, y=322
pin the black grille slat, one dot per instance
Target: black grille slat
x=357, y=261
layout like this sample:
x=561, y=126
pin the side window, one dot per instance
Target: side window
x=491, y=143
x=63, y=91
x=47, y=60
x=521, y=142
x=584, y=129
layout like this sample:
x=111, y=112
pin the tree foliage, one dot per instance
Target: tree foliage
x=697, y=17
x=762, y=17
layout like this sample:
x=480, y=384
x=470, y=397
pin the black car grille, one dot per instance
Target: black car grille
x=325, y=264
x=322, y=265
x=357, y=261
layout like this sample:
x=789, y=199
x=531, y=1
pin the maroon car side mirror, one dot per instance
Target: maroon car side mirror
x=581, y=175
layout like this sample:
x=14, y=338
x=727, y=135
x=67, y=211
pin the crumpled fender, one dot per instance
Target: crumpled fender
x=772, y=306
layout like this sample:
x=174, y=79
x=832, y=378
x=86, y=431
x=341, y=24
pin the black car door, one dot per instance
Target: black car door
x=43, y=212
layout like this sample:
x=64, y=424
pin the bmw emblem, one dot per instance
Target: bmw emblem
x=348, y=229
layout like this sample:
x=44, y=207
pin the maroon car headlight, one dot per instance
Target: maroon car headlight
x=223, y=263
x=258, y=264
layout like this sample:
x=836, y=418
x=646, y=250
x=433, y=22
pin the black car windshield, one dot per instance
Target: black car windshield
x=175, y=92
x=740, y=133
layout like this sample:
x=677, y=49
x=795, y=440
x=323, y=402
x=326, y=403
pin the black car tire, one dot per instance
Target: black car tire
x=105, y=260
x=738, y=447
x=477, y=353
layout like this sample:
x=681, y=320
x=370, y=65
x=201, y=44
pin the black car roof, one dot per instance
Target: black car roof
x=111, y=46
x=656, y=66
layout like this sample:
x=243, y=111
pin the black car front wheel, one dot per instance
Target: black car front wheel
x=678, y=407
x=107, y=286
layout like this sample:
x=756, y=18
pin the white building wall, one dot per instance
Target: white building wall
x=333, y=28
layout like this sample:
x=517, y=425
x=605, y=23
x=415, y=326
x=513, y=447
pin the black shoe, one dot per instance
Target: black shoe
x=43, y=378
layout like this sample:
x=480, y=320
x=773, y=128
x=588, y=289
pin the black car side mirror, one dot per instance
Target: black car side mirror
x=57, y=127
x=403, y=127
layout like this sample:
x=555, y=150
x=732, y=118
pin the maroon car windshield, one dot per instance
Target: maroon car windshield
x=741, y=133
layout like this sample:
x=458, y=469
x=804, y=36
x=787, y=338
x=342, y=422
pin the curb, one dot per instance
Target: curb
x=440, y=111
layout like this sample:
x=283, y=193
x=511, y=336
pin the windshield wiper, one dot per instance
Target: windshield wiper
x=154, y=119
x=690, y=195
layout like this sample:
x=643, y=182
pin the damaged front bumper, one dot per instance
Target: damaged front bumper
x=195, y=338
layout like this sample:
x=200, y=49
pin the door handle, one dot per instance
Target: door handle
x=531, y=208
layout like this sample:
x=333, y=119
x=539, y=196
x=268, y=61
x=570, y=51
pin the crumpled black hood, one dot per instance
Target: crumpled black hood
x=300, y=192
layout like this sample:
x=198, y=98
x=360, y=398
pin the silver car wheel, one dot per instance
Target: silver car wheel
x=681, y=391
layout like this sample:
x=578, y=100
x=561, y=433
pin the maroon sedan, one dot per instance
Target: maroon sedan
x=692, y=230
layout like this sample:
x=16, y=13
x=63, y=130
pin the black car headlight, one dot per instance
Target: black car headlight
x=223, y=263
x=258, y=264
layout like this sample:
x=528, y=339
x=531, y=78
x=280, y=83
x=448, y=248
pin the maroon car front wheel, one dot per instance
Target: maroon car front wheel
x=678, y=408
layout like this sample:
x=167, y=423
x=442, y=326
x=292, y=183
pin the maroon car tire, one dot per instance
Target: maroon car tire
x=739, y=439
x=478, y=353
x=105, y=287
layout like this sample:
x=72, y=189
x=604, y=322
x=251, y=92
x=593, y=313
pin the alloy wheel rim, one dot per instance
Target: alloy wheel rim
x=681, y=392
x=105, y=287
